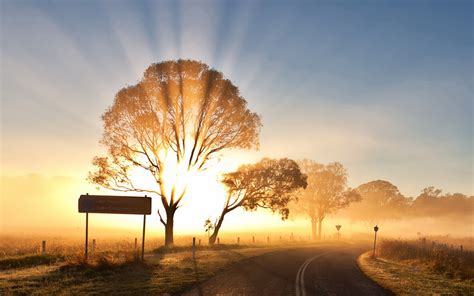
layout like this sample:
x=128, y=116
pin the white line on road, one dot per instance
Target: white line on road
x=300, y=289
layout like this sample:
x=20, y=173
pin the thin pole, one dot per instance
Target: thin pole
x=143, y=237
x=87, y=233
x=375, y=239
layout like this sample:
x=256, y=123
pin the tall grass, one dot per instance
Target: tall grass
x=441, y=258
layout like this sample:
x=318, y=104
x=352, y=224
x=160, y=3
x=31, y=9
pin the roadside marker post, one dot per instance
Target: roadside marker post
x=194, y=248
x=376, y=228
x=43, y=247
x=109, y=204
x=93, y=246
x=238, y=240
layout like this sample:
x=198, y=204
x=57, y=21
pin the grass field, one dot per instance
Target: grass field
x=119, y=271
x=421, y=267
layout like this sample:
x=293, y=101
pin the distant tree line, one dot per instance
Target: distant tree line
x=381, y=201
x=373, y=202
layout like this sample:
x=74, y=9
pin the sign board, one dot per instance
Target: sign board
x=109, y=204
x=338, y=227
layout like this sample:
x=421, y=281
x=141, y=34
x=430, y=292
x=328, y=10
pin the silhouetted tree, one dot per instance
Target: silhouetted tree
x=433, y=203
x=268, y=184
x=326, y=193
x=381, y=200
x=170, y=124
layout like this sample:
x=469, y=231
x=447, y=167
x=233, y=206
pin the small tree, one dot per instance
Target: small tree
x=168, y=125
x=208, y=227
x=326, y=193
x=268, y=184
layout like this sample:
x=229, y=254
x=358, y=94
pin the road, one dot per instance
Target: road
x=317, y=270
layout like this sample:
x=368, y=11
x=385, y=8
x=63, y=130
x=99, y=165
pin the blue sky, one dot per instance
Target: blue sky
x=385, y=87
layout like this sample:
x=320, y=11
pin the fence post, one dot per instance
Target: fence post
x=43, y=247
x=136, y=247
x=93, y=245
x=194, y=248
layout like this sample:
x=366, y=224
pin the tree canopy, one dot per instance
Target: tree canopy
x=433, y=203
x=326, y=193
x=268, y=184
x=381, y=200
x=176, y=118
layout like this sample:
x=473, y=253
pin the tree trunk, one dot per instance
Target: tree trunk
x=313, y=227
x=320, y=224
x=169, y=239
x=213, y=237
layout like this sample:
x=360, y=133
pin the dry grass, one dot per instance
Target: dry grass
x=118, y=271
x=411, y=279
x=440, y=258
x=421, y=267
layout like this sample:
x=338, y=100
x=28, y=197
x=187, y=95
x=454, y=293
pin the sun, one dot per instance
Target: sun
x=204, y=197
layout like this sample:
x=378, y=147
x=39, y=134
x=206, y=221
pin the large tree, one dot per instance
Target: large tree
x=267, y=184
x=326, y=193
x=381, y=200
x=168, y=125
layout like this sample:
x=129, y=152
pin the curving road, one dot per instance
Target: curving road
x=317, y=270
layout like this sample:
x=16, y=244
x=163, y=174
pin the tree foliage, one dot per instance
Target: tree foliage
x=433, y=203
x=381, y=200
x=170, y=123
x=326, y=193
x=268, y=184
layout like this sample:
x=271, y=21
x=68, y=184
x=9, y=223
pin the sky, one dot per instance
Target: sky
x=384, y=87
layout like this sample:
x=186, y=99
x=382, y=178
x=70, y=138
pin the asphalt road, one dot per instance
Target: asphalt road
x=320, y=270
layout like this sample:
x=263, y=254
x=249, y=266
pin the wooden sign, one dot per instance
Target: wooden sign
x=109, y=204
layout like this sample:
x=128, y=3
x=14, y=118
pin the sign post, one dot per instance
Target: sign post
x=110, y=204
x=376, y=228
x=338, y=227
x=143, y=237
x=87, y=234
